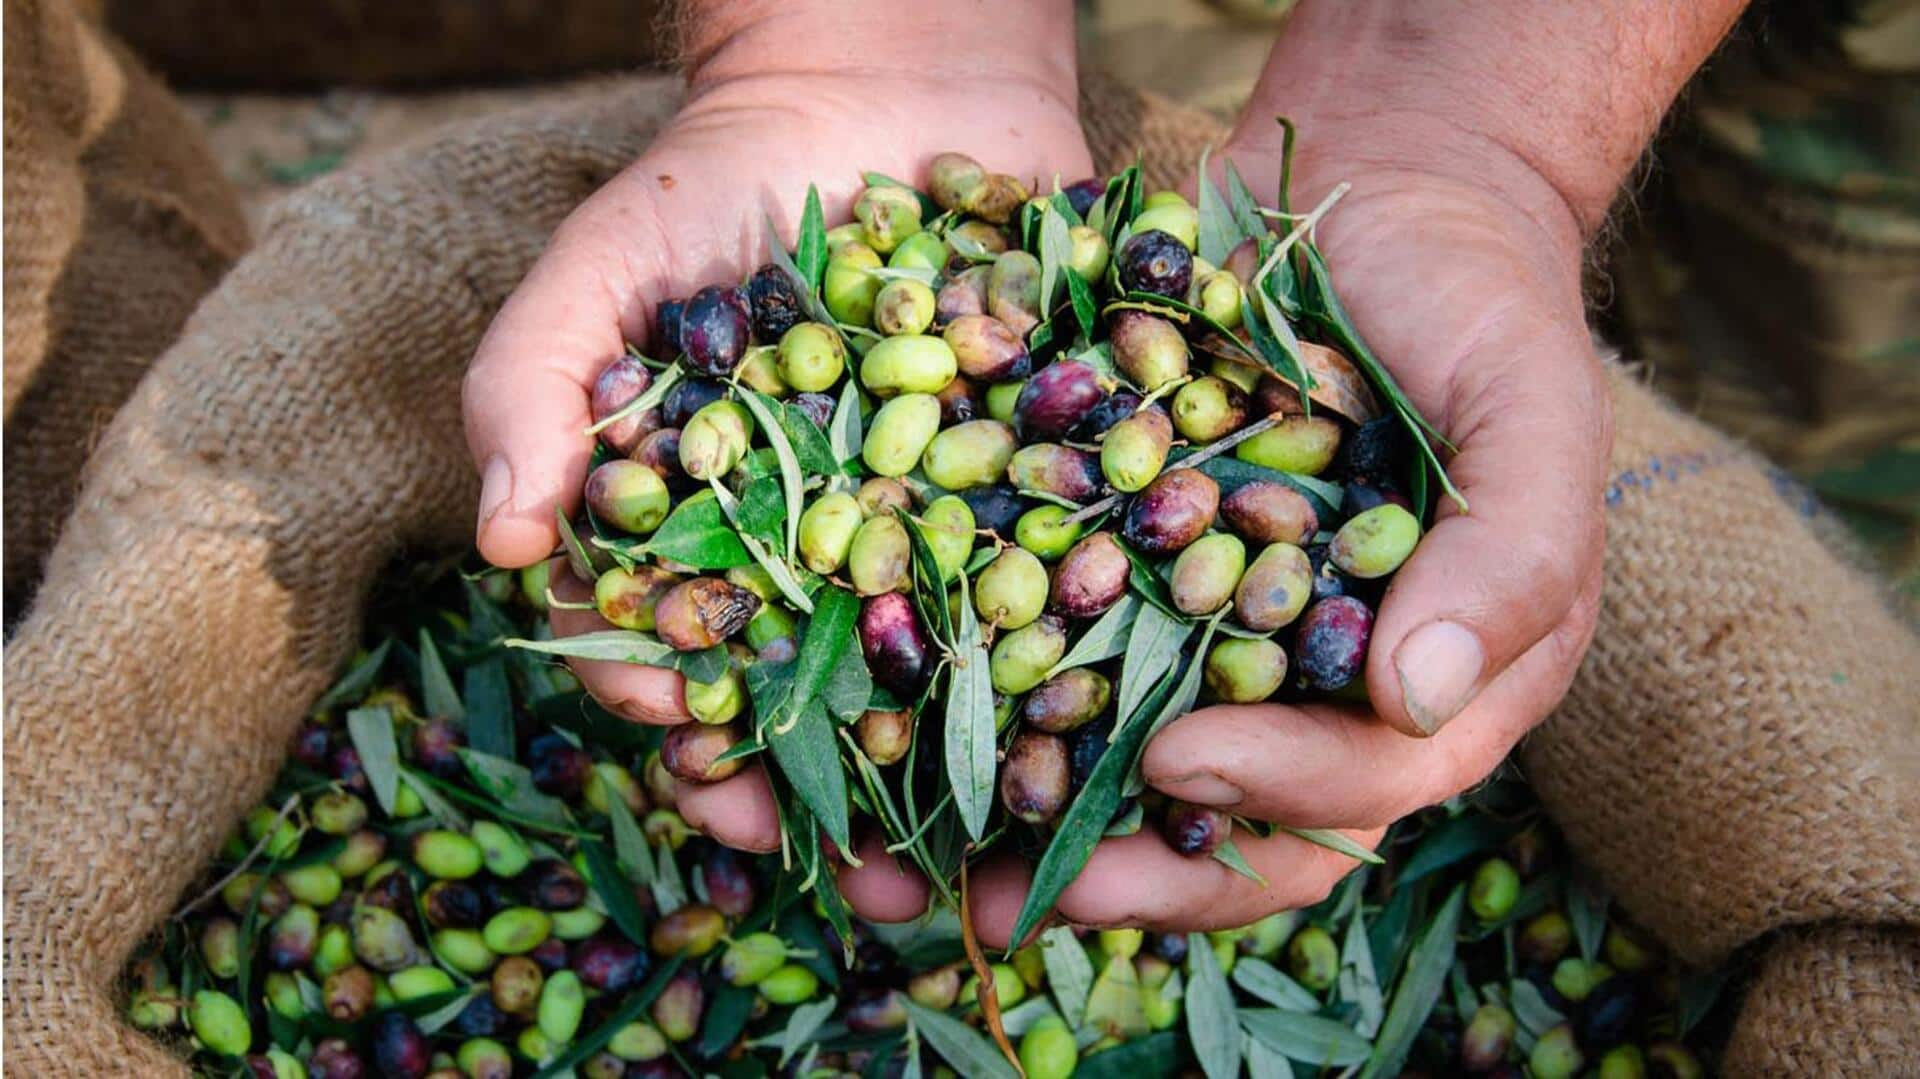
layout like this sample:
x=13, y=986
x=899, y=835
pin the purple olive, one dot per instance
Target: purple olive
x=691, y=751
x=1374, y=452
x=668, y=318
x=1056, y=400
x=1035, y=780
x=436, y=748
x=333, y=1058
x=1082, y=194
x=775, y=303
x=552, y=884
x=965, y=293
x=481, y=1018
x=1085, y=747
x=1363, y=495
x=1113, y=408
x=817, y=407
x=619, y=383
x=1174, y=510
x=1331, y=647
x=1067, y=701
x=551, y=954
x=400, y=1050
x=895, y=645
x=700, y=613
x=1155, y=261
x=996, y=509
x=715, y=329
x=312, y=746
x=559, y=767
x=346, y=769
x=609, y=962
x=1090, y=578
x=1195, y=829
x=1061, y=471
x=729, y=879
x=986, y=349
x=1269, y=512
x=687, y=397
x=958, y=403
x=1327, y=578
x=660, y=451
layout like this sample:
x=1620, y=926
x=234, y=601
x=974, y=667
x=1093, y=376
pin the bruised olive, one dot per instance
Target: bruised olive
x=1208, y=409
x=903, y=307
x=848, y=288
x=381, y=938
x=628, y=495
x=1022, y=658
x=660, y=451
x=693, y=930
x=953, y=179
x=947, y=526
x=220, y=947
x=618, y=384
x=1091, y=578
x=715, y=327
x=826, y=531
x=996, y=509
x=817, y=407
x=970, y=455
x=559, y=768
x=1375, y=452
x=1331, y=647
x=1148, y=349
x=1089, y=253
x=1061, y=471
x=996, y=198
x=1055, y=401
x=515, y=986
x=895, y=646
x=881, y=495
x=1034, y=778
x=881, y=557
x=871, y=1012
x=812, y=357
x=715, y=439
x=1313, y=958
x=1135, y=450
x=1303, y=444
x=1240, y=671
x=1206, y=572
x=774, y=302
x=691, y=752
x=1155, y=261
x=1269, y=512
x=1112, y=408
x=900, y=431
x=1012, y=590
x=1488, y=1037
x=1067, y=701
x=958, y=402
x=1195, y=829
x=700, y=613
x=1272, y=396
x=884, y=736
x=1375, y=543
x=1274, y=589
x=963, y=294
x=1044, y=530
x=760, y=370
x=687, y=397
x=985, y=348
x=347, y=994
x=1013, y=291
x=887, y=216
x=1173, y=511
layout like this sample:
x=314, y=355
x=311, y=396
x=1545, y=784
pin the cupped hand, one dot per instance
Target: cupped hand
x=689, y=213
x=1470, y=293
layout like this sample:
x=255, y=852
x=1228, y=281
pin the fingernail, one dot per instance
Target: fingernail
x=496, y=488
x=1439, y=665
x=1205, y=788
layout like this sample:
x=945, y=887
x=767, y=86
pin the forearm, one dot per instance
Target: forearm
x=1551, y=103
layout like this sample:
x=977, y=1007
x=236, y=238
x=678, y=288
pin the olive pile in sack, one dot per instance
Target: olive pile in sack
x=948, y=509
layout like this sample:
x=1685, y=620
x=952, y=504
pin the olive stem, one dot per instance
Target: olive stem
x=1191, y=460
x=1305, y=226
x=286, y=809
x=556, y=603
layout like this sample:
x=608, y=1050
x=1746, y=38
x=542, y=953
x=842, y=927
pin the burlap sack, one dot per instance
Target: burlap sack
x=306, y=428
x=117, y=222
x=265, y=44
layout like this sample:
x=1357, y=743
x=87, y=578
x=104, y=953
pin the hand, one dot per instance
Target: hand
x=687, y=213
x=1470, y=294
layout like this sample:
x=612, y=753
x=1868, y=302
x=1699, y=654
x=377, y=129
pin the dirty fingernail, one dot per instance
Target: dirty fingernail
x=1439, y=665
x=1205, y=788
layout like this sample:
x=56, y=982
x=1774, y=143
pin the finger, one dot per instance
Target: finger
x=997, y=887
x=1333, y=766
x=882, y=888
x=738, y=811
x=638, y=692
x=526, y=395
x=1484, y=587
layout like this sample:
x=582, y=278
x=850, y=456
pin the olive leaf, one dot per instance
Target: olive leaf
x=512, y=786
x=1056, y=251
x=802, y=1024
x=632, y=646
x=1308, y=1039
x=809, y=756
x=809, y=442
x=359, y=678
x=966, y=1049
x=1228, y=854
x=1103, y=640
x=809, y=293
x=371, y=730
x=1336, y=842
x=1359, y=979
x=630, y=846
x=1069, y=973
x=1262, y=980
x=1154, y=643
x=1419, y=989
x=826, y=641
x=1587, y=911
x=1155, y=1054
x=1086, y=310
x=849, y=689
x=442, y=701
x=1456, y=839
x=1212, y=1020
x=1274, y=339
x=1246, y=209
x=929, y=591
x=845, y=436
x=613, y=889
x=782, y=574
x=810, y=252
x=766, y=412
x=970, y=728
x=580, y=558
x=698, y=534
x=1219, y=230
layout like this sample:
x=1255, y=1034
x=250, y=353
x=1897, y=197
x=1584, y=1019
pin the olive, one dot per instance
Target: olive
x=1206, y=572
x=1012, y=590
x=848, y=287
x=963, y=294
x=1173, y=511
x=515, y=986
x=728, y=876
x=1375, y=452
x=1061, y=471
x=1313, y=958
x=715, y=439
x=1022, y=658
x=1091, y=577
x=1001, y=397
x=1135, y=450
x=996, y=509
x=881, y=495
x=903, y=307
x=1208, y=409
x=1034, y=778
x=1608, y=1014
x=985, y=348
x=691, y=752
x=921, y=251
x=1055, y=401
x=997, y=198
x=1082, y=194
x=1195, y=829
x=1303, y=444
x=1241, y=671
x=618, y=384
x=895, y=646
x=958, y=402
x=1155, y=261
x=1013, y=291
x=947, y=526
x=1494, y=890
x=971, y=454
x=900, y=432
x=628, y=495
x=1067, y=701
x=1113, y=408
x=1148, y=349
x=1089, y=253
x=700, y=613
x=660, y=451
x=722, y=699
x=1488, y=1038
x=953, y=179
x=1269, y=512
x=1173, y=216
x=1556, y=1055
x=1044, y=530
x=1622, y=1062
x=1545, y=938
x=715, y=328
x=812, y=357
x=1331, y=646
x=1048, y=1049
x=628, y=599
x=1376, y=542
x=827, y=528
x=667, y=319
x=760, y=371
x=887, y=216
x=1219, y=295
x=774, y=302
x=1359, y=496
x=1274, y=589
x=687, y=397
x=1327, y=578
x=884, y=736
x=881, y=557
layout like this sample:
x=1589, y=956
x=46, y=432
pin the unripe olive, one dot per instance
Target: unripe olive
x=1208, y=409
x=1008, y=986
x=1148, y=349
x=1048, y=1049
x=771, y=634
x=691, y=752
x=848, y=289
x=417, y=983
x=1058, y=470
x=812, y=357
x=1013, y=291
x=748, y=960
x=715, y=439
x=884, y=736
x=719, y=701
x=219, y=1022
x=1045, y=531
x=1313, y=958
x=1220, y=296
x=362, y=852
x=1269, y=512
x=880, y=558
x=316, y=885
x=827, y=528
x=1545, y=938
x=1091, y=577
x=381, y=939
x=337, y=813
x=1242, y=375
x=1022, y=658
x=666, y=828
x=220, y=947
x=920, y=251
x=638, y=1041
x=699, y=613
x=1244, y=671
x=760, y=370
x=1626, y=952
x=1556, y=1055
x=578, y=923
x=1034, y=780
x=1623, y=1062
x=1135, y=450
x=971, y=454
x=1173, y=511
x=947, y=526
x=900, y=431
x=887, y=216
x=1012, y=590
x=563, y=1002
x=1274, y=589
x=1303, y=444
x=1671, y=1060
x=1003, y=399
x=903, y=307
x=1375, y=543
x=1494, y=890
x=916, y=363
x=503, y=853
x=516, y=930
x=791, y=984
x=938, y=988
x=1488, y=1037
x=953, y=179
x=1575, y=978
x=963, y=294
x=1090, y=253
x=1067, y=701
x=446, y=855
x=986, y=349
x=464, y=950
x=533, y=584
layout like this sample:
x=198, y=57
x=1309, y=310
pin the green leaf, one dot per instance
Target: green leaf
x=1103, y=640
x=1335, y=841
x=1246, y=209
x=1531, y=1010
x=1587, y=911
x=1266, y=982
x=1212, y=1020
x=436, y=1019
x=669, y=888
x=809, y=442
x=630, y=847
x=1069, y=973
x=1420, y=986
x=1274, y=339
x=809, y=757
x=632, y=1007
x=1228, y=854
x=1284, y=197
x=1153, y=648
x=1056, y=250
x=632, y=646
x=766, y=412
x=614, y=889
x=1450, y=842
x=725, y=1019
x=1156, y=1054
x=849, y=690
x=1220, y=232
x=810, y=252
x=780, y=571
x=438, y=807
x=929, y=591
x=846, y=435
x=1359, y=980
x=1308, y=1039
x=804, y=1021
x=359, y=678
x=512, y=786
x=827, y=640
x=1086, y=310
x=371, y=730
x=1698, y=994
x=436, y=686
x=970, y=728
x=698, y=534
x=967, y=1050
x=489, y=698
x=580, y=558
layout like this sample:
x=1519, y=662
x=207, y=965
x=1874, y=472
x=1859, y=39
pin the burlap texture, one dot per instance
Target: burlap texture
x=306, y=428
x=1832, y=1000
x=117, y=222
